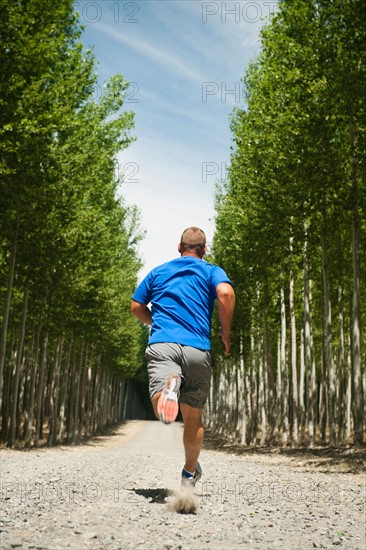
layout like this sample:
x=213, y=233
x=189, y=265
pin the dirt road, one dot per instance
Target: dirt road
x=117, y=492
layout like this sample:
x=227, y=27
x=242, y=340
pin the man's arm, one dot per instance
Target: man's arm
x=142, y=312
x=225, y=305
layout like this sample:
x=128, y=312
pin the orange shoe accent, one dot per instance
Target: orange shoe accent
x=168, y=401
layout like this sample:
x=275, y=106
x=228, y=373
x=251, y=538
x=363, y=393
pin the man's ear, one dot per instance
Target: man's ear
x=179, y=248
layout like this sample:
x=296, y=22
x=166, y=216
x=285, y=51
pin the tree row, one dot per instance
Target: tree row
x=68, y=256
x=291, y=230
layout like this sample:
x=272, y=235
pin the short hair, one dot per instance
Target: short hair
x=193, y=238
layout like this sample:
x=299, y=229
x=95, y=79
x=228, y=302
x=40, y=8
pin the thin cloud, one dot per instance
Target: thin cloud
x=147, y=49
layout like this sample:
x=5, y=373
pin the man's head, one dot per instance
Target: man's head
x=192, y=242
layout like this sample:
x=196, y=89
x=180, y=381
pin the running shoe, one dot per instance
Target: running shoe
x=168, y=401
x=190, y=481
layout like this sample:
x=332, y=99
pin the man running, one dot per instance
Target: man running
x=182, y=294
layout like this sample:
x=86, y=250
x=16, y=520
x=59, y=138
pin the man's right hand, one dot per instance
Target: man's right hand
x=225, y=337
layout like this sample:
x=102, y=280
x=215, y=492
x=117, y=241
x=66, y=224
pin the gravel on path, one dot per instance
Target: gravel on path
x=115, y=492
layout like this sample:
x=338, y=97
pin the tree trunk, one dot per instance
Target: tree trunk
x=114, y=400
x=104, y=401
x=90, y=397
x=54, y=392
x=89, y=389
x=307, y=348
x=349, y=395
x=15, y=388
x=28, y=384
x=8, y=378
x=313, y=401
x=32, y=389
x=100, y=391
x=8, y=295
x=220, y=419
x=82, y=392
x=40, y=392
x=357, y=398
x=64, y=391
x=254, y=390
x=243, y=393
x=341, y=352
x=122, y=399
x=295, y=401
x=269, y=376
x=262, y=386
x=21, y=394
x=278, y=398
x=323, y=394
x=96, y=392
x=71, y=396
x=302, y=388
x=284, y=394
x=328, y=330
x=227, y=401
x=76, y=397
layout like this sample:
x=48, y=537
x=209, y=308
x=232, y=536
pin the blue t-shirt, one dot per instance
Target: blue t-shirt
x=182, y=294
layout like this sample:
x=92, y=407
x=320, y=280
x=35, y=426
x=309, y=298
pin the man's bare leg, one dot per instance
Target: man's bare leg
x=154, y=402
x=192, y=435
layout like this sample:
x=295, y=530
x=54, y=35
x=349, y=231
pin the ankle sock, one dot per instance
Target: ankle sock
x=186, y=473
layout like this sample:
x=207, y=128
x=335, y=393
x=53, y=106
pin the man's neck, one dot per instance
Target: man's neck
x=191, y=255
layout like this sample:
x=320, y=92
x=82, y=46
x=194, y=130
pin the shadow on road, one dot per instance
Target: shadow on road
x=157, y=496
x=351, y=459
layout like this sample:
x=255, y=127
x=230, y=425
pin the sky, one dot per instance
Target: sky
x=184, y=61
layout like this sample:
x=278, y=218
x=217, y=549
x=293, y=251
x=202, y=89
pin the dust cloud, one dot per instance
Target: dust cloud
x=183, y=501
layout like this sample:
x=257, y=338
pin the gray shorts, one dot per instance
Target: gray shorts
x=192, y=364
